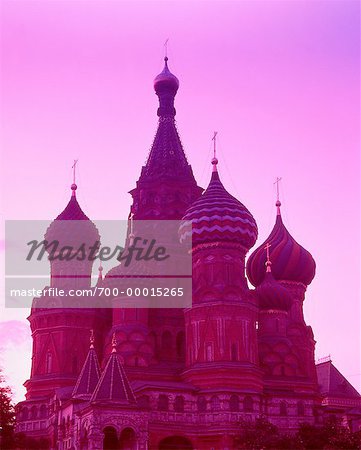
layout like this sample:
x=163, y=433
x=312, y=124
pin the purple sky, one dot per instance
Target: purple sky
x=279, y=81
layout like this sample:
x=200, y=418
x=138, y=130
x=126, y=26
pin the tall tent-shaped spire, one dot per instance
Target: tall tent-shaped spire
x=89, y=375
x=166, y=159
x=113, y=385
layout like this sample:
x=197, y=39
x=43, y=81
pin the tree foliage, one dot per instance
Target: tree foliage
x=263, y=435
x=7, y=415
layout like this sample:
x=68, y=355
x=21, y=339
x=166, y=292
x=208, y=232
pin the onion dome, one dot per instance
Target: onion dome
x=80, y=229
x=166, y=86
x=271, y=294
x=217, y=216
x=291, y=261
x=166, y=81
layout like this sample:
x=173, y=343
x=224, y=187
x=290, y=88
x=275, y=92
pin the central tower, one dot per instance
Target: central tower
x=166, y=186
x=164, y=191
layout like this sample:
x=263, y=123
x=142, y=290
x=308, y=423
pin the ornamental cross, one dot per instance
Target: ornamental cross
x=74, y=168
x=166, y=48
x=214, y=143
x=278, y=179
x=267, y=247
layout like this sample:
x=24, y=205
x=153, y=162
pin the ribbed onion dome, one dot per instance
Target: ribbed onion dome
x=291, y=261
x=166, y=81
x=272, y=295
x=80, y=229
x=218, y=217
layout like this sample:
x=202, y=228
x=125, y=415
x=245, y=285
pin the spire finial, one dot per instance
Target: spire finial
x=214, y=159
x=268, y=262
x=131, y=234
x=278, y=203
x=114, y=344
x=166, y=50
x=74, y=186
x=91, y=338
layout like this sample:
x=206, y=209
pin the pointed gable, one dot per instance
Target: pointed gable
x=333, y=383
x=89, y=376
x=113, y=385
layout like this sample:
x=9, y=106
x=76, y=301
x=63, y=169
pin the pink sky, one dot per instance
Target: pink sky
x=278, y=80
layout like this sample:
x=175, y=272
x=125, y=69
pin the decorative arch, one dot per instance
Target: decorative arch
x=43, y=411
x=201, y=403
x=127, y=439
x=110, y=439
x=33, y=412
x=248, y=404
x=25, y=413
x=179, y=403
x=215, y=403
x=163, y=402
x=234, y=403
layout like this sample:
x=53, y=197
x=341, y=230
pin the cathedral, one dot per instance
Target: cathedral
x=182, y=378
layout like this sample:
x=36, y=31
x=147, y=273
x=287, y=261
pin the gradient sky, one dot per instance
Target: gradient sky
x=279, y=81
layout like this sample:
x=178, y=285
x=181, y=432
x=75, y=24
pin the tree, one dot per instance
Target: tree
x=263, y=435
x=7, y=415
x=331, y=436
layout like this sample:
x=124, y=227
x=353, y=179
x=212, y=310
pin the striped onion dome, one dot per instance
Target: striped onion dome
x=218, y=217
x=271, y=294
x=291, y=261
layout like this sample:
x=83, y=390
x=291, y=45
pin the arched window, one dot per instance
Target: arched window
x=180, y=344
x=209, y=352
x=163, y=402
x=201, y=404
x=300, y=408
x=43, y=411
x=248, y=403
x=33, y=412
x=215, y=403
x=234, y=352
x=127, y=439
x=234, y=403
x=283, y=408
x=110, y=441
x=25, y=414
x=166, y=344
x=179, y=403
x=49, y=363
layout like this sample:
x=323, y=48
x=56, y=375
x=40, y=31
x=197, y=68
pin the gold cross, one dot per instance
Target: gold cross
x=267, y=247
x=74, y=167
x=278, y=179
x=214, y=143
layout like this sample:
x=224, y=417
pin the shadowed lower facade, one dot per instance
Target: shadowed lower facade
x=182, y=378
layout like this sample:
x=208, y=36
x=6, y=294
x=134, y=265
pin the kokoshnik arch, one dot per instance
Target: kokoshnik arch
x=183, y=378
